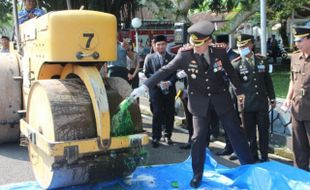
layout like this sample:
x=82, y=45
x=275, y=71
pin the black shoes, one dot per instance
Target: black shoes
x=233, y=156
x=168, y=141
x=195, y=182
x=155, y=143
x=224, y=152
x=186, y=146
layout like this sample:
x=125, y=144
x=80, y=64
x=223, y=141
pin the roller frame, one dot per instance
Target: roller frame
x=57, y=149
x=96, y=89
x=97, y=92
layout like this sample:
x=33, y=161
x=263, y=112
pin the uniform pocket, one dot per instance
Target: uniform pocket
x=295, y=71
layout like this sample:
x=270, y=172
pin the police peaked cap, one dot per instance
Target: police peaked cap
x=301, y=32
x=244, y=39
x=160, y=38
x=201, y=31
x=222, y=38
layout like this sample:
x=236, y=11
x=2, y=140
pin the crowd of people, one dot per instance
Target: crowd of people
x=238, y=88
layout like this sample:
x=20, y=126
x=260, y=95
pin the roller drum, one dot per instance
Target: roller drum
x=61, y=110
x=10, y=98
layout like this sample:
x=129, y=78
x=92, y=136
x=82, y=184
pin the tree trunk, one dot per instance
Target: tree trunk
x=283, y=33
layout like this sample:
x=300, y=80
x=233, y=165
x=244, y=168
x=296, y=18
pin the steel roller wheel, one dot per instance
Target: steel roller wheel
x=10, y=98
x=117, y=90
x=61, y=110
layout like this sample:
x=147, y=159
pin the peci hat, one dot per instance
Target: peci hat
x=301, y=31
x=5, y=37
x=200, y=32
x=222, y=38
x=244, y=39
x=160, y=38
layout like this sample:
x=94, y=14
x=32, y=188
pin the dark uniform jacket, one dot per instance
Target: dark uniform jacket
x=152, y=64
x=205, y=82
x=256, y=82
x=300, y=76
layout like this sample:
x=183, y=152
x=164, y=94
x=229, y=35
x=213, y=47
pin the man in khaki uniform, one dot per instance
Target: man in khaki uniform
x=298, y=97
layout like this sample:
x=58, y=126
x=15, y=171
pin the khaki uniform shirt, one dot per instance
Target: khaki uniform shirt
x=300, y=76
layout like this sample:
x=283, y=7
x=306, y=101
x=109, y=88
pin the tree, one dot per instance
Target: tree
x=280, y=11
x=5, y=12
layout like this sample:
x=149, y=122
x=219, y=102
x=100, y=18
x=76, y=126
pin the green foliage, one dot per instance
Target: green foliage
x=282, y=9
x=159, y=7
x=281, y=79
x=5, y=13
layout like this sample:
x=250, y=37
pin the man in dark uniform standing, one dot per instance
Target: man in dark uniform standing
x=298, y=97
x=259, y=92
x=206, y=91
x=162, y=94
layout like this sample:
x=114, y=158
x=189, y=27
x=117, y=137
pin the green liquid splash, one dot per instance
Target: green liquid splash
x=122, y=124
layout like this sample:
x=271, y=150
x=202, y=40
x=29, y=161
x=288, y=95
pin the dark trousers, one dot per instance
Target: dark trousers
x=214, y=124
x=228, y=147
x=235, y=133
x=301, y=143
x=261, y=119
x=135, y=81
x=162, y=107
x=189, y=119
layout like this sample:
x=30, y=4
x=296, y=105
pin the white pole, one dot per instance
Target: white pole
x=263, y=27
x=137, y=41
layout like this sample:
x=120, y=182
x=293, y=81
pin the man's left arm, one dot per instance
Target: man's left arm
x=269, y=86
x=222, y=56
x=173, y=78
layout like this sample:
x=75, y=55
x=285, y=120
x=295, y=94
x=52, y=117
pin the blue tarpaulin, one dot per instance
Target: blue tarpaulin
x=262, y=176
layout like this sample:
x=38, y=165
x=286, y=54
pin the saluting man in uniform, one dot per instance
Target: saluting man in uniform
x=252, y=70
x=298, y=97
x=206, y=91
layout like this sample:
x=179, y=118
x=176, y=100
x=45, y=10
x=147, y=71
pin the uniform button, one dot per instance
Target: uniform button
x=206, y=72
x=253, y=72
x=224, y=89
x=255, y=86
x=208, y=87
x=209, y=94
x=254, y=79
x=207, y=80
x=256, y=93
x=192, y=92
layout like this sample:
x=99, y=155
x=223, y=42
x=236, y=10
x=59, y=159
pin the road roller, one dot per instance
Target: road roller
x=67, y=106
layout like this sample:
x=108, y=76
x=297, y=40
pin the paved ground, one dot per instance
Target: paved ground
x=15, y=166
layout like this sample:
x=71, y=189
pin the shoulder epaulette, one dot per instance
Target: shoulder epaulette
x=260, y=56
x=236, y=59
x=185, y=48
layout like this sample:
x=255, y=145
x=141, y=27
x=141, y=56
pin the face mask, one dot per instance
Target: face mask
x=243, y=52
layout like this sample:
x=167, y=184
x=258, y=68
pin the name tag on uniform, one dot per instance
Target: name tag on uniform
x=261, y=68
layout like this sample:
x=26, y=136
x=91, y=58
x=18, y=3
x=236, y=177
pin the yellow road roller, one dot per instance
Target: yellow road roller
x=68, y=105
